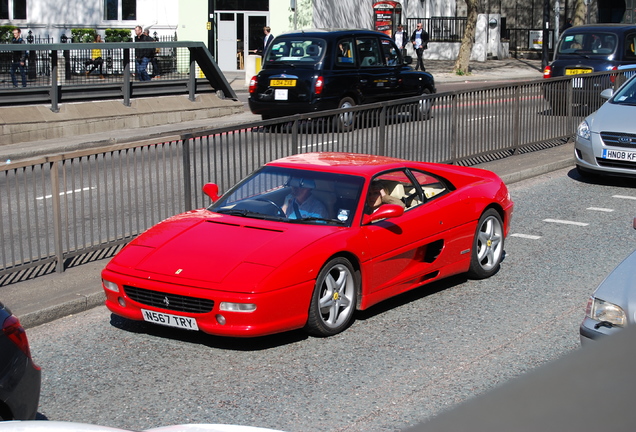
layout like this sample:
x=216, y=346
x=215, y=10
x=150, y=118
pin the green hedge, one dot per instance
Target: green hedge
x=6, y=35
x=85, y=35
x=117, y=35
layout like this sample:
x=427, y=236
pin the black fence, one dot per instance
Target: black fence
x=68, y=72
x=440, y=29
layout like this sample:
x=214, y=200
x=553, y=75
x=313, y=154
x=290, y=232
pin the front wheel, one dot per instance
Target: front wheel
x=488, y=246
x=334, y=300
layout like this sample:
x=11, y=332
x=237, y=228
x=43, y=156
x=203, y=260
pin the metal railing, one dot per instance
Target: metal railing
x=64, y=206
x=61, y=71
x=440, y=29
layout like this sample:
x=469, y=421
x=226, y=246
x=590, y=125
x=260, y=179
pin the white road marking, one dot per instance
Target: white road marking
x=66, y=193
x=565, y=222
x=526, y=236
x=481, y=118
x=600, y=209
x=624, y=197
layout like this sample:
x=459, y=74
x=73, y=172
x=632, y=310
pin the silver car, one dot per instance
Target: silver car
x=606, y=139
x=613, y=304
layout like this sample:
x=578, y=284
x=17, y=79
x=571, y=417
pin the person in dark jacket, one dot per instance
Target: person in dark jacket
x=143, y=55
x=419, y=39
x=18, y=59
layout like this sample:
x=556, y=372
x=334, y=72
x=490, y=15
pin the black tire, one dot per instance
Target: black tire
x=488, y=246
x=345, y=122
x=334, y=300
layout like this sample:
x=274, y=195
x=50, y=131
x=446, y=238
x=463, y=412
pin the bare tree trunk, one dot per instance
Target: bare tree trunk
x=463, y=59
x=580, y=13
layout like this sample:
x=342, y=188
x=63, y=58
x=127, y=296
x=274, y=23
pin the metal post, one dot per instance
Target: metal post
x=127, y=84
x=382, y=132
x=57, y=216
x=54, y=93
x=516, y=127
x=187, y=181
x=192, y=82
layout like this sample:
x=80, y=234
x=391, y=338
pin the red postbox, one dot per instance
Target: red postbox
x=387, y=15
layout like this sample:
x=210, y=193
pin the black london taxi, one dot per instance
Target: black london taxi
x=586, y=49
x=320, y=69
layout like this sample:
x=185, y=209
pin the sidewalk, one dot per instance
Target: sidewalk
x=53, y=296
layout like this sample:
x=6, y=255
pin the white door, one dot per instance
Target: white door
x=226, y=42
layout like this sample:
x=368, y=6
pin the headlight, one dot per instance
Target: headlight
x=584, y=130
x=111, y=286
x=237, y=307
x=601, y=310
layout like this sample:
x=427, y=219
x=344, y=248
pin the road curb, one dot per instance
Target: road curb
x=81, y=304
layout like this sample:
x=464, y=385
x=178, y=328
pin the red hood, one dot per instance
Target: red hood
x=205, y=246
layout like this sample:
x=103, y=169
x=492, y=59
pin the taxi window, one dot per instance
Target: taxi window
x=598, y=43
x=345, y=53
x=630, y=46
x=369, y=52
x=296, y=51
x=391, y=53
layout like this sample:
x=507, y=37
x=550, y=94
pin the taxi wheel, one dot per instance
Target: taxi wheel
x=488, y=246
x=424, y=106
x=334, y=299
x=345, y=121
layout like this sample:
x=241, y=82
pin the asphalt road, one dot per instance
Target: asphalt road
x=400, y=363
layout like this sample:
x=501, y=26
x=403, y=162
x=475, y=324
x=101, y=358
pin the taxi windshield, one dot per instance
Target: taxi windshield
x=296, y=51
x=587, y=44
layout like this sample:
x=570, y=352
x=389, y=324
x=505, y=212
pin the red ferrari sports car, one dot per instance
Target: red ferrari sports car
x=306, y=240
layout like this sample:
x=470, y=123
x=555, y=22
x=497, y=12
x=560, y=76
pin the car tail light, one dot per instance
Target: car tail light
x=320, y=83
x=16, y=334
x=613, y=76
x=253, y=83
x=547, y=72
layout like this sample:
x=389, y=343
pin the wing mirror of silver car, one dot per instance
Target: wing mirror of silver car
x=211, y=190
x=607, y=93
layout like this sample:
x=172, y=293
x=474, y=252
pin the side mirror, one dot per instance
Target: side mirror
x=607, y=93
x=211, y=190
x=386, y=211
x=408, y=60
x=635, y=223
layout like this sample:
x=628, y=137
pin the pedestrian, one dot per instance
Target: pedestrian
x=96, y=60
x=142, y=55
x=400, y=38
x=156, y=72
x=267, y=39
x=419, y=39
x=18, y=59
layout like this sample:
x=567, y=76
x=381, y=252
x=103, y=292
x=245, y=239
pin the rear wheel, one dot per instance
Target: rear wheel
x=345, y=121
x=488, y=246
x=424, y=106
x=334, y=300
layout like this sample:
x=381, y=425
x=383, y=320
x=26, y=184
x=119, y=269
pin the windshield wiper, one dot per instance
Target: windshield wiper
x=318, y=219
x=249, y=214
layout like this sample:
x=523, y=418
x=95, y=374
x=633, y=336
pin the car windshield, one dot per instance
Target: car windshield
x=588, y=44
x=296, y=51
x=294, y=196
x=626, y=95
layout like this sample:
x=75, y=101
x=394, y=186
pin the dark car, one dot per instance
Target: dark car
x=19, y=376
x=587, y=49
x=315, y=70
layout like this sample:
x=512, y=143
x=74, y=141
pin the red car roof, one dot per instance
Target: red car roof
x=350, y=163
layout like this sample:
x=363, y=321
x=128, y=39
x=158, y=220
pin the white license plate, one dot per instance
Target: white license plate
x=619, y=155
x=181, y=322
x=281, y=94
